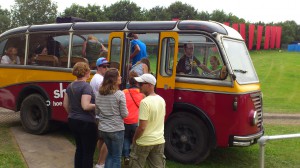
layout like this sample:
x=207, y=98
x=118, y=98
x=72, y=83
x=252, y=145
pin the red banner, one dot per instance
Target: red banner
x=273, y=37
x=251, y=35
x=235, y=26
x=278, y=36
x=226, y=23
x=267, y=37
x=243, y=30
x=259, y=36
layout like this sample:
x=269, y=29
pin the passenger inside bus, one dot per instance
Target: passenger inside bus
x=11, y=56
x=92, y=48
x=188, y=63
x=40, y=50
x=54, y=47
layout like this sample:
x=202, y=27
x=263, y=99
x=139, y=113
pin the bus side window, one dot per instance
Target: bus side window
x=167, y=57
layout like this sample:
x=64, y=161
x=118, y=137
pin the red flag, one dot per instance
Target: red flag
x=251, y=35
x=273, y=37
x=259, y=35
x=235, y=26
x=267, y=37
x=278, y=36
x=226, y=23
x=243, y=30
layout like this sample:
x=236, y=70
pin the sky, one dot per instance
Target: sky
x=251, y=10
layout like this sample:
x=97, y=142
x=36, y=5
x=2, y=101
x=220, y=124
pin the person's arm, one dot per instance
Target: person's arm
x=86, y=102
x=83, y=49
x=123, y=107
x=136, y=51
x=145, y=68
x=66, y=102
x=140, y=130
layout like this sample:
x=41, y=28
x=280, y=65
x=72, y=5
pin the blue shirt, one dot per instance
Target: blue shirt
x=141, y=54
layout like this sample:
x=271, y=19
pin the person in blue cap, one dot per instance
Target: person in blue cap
x=102, y=66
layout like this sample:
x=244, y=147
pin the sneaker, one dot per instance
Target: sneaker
x=99, y=166
x=126, y=161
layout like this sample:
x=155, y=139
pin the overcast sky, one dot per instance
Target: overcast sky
x=251, y=10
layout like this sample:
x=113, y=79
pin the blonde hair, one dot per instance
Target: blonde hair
x=92, y=37
x=109, y=85
x=80, y=69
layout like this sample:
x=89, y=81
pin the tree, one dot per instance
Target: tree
x=5, y=20
x=27, y=12
x=157, y=13
x=204, y=15
x=289, y=31
x=219, y=16
x=182, y=11
x=91, y=13
x=124, y=10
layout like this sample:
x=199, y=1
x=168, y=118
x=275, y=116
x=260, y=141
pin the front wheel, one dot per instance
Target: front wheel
x=187, y=138
x=34, y=114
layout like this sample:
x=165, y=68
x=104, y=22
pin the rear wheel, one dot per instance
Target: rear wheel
x=187, y=138
x=34, y=114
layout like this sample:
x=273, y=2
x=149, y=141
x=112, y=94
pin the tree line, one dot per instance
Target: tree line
x=28, y=12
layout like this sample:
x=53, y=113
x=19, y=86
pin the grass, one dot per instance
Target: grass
x=279, y=76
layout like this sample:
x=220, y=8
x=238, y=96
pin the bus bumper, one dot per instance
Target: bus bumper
x=245, y=140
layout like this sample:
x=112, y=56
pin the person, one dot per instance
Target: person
x=54, y=47
x=138, y=48
x=188, y=63
x=79, y=104
x=111, y=108
x=92, y=48
x=11, y=56
x=148, y=141
x=102, y=65
x=40, y=50
x=142, y=66
x=133, y=99
x=214, y=63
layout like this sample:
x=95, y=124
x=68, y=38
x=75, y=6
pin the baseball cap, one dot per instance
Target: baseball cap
x=101, y=61
x=149, y=78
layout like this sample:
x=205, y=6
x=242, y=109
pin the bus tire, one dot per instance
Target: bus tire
x=187, y=138
x=34, y=114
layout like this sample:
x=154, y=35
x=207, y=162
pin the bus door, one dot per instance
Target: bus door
x=166, y=73
x=116, y=54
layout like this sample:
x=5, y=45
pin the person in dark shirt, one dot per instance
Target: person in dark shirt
x=54, y=47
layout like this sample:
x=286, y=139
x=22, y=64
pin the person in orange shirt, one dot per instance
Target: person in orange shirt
x=133, y=99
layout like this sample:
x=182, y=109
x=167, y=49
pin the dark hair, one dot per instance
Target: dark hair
x=39, y=49
x=109, y=85
x=131, y=79
x=147, y=62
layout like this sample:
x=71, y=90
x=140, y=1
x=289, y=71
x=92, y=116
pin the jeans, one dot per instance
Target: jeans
x=129, y=133
x=85, y=134
x=114, y=143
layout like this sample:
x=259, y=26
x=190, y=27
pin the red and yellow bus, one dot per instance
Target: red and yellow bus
x=204, y=110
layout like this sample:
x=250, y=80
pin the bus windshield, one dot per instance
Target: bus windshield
x=240, y=61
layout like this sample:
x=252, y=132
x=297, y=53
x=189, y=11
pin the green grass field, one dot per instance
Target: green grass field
x=279, y=75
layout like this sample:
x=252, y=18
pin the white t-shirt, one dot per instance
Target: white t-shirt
x=6, y=60
x=96, y=82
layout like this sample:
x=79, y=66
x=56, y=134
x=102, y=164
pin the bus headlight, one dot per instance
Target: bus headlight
x=253, y=118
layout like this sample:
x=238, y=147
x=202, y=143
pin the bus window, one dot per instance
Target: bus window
x=90, y=50
x=198, y=57
x=47, y=49
x=115, y=53
x=167, y=59
x=17, y=42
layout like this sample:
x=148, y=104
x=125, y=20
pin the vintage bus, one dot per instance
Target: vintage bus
x=204, y=110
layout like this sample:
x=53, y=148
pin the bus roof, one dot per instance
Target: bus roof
x=184, y=25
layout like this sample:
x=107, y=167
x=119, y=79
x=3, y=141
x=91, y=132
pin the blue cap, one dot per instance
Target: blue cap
x=101, y=61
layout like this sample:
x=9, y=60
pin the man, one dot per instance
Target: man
x=138, y=48
x=188, y=63
x=148, y=141
x=102, y=66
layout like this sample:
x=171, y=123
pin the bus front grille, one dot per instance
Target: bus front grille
x=257, y=101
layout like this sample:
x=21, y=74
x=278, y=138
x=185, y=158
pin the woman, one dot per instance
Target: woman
x=11, y=56
x=133, y=99
x=141, y=67
x=79, y=103
x=215, y=64
x=111, y=109
x=92, y=48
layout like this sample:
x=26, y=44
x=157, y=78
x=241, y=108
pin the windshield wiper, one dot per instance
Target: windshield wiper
x=240, y=70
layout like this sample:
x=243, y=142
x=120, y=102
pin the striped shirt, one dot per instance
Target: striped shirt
x=111, y=110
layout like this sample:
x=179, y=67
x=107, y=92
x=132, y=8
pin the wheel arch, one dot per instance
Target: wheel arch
x=33, y=89
x=189, y=108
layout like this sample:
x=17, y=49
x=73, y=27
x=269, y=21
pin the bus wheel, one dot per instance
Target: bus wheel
x=187, y=138
x=34, y=114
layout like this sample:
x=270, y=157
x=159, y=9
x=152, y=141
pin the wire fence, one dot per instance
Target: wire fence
x=9, y=118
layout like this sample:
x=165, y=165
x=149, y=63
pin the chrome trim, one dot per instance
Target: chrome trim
x=204, y=81
x=213, y=91
x=241, y=143
x=249, y=137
